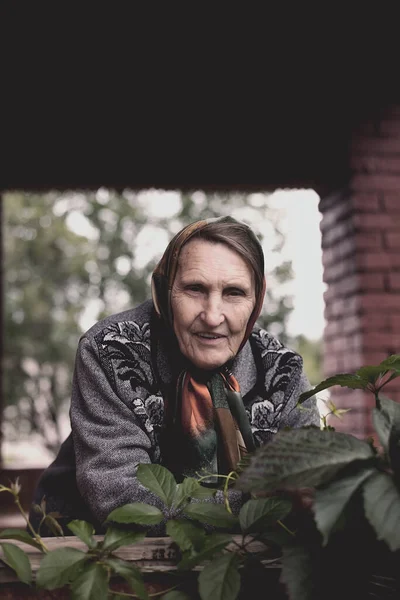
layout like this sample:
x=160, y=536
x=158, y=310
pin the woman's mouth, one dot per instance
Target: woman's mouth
x=210, y=337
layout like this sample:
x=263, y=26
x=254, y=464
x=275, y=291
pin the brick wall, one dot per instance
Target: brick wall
x=361, y=256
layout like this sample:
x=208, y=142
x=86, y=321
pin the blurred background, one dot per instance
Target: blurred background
x=71, y=258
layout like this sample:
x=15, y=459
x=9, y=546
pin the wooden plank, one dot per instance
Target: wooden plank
x=152, y=555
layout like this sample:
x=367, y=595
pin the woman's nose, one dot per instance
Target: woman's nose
x=212, y=314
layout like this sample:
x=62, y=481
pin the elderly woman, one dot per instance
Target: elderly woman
x=186, y=379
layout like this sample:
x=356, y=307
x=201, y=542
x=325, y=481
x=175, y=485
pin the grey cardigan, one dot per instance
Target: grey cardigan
x=117, y=407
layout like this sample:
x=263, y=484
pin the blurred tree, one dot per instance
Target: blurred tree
x=45, y=284
x=73, y=258
x=311, y=351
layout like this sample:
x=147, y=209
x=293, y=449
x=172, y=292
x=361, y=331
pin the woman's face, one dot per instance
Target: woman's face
x=212, y=300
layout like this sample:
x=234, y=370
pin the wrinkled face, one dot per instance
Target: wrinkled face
x=212, y=300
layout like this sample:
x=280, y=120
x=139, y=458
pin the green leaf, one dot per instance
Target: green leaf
x=342, y=379
x=214, y=543
x=298, y=573
x=59, y=567
x=184, y=491
x=394, y=451
x=381, y=424
x=54, y=526
x=116, y=538
x=371, y=373
x=220, y=579
x=191, y=488
x=84, y=531
x=260, y=514
x=304, y=457
x=91, y=584
x=375, y=372
x=176, y=595
x=392, y=363
x=18, y=561
x=213, y=514
x=137, y=512
x=386, y=421
x=158, y=480
x=382, y=508
x=330, y=502
x=131, y=574
x=21, y=536
x=203, y=492
x=186, y=535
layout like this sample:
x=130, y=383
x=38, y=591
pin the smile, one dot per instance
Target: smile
x=213, y=336
x=210, y=337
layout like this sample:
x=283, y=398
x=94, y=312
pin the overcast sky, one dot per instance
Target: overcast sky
x=303, y=248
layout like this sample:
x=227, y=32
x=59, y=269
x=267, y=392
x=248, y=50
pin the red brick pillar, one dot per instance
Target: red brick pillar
x=361, y=256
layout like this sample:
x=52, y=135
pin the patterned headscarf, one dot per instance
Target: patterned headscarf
x=211, y=423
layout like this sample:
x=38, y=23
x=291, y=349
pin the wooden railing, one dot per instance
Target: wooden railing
x=156, y=558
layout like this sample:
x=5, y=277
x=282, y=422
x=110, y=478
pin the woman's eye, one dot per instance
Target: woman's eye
x=193, y=288
x=235, y=292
